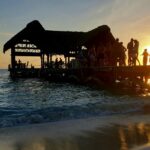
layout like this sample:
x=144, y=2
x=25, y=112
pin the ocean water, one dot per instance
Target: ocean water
x=32, y=101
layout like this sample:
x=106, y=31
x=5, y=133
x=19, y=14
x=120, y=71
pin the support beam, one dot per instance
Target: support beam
x=47, y=58
x=13, y=61
x=65, y=60
x=51, y=57
x=42, y=60
x=27, y=54
x=68, y=60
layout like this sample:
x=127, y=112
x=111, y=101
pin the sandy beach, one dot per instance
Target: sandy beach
x=121, y=132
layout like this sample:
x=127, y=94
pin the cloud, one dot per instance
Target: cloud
x=121, y=12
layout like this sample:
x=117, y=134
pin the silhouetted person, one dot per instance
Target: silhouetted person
x=56, y=63
x=136, y=46
x=32, y=67
x=117, y=52
x=15, y=62
x=19, y=63
x=135, y=52
x=27, y=64
x=145, y=57
x=130, y=47
x=60, y=63
x=122, y=58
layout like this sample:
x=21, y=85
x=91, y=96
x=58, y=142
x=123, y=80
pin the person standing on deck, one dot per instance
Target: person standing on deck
x=136, y=53
x=122, y=59
x=56, y=63
x=116, y=52
x=130, y=47
x=145, y=57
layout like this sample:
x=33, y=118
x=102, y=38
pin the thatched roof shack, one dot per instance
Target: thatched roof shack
x=67, y=43
x=58, y=42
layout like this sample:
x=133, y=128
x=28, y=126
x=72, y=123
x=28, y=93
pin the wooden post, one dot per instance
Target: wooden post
x=65, y=62
x=51, y=56
x=13, y=62
x=42, y=60
x=47, y=58
x=68, y=60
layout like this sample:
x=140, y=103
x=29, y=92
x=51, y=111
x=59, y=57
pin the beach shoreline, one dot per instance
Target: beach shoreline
x=119, y=132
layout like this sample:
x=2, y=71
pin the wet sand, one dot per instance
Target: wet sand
x=120, y=132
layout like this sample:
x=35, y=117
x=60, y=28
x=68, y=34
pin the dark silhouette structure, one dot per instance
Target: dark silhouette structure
x=34, y=40
x=97, y=55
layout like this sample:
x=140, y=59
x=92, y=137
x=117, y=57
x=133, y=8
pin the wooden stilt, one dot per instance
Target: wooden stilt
x=13, y=61
x=51, y=57
x=47, y=58
x=42, y=61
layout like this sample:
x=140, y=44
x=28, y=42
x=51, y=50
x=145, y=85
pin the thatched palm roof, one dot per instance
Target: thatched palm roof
x=59, y=41
x=100, y=35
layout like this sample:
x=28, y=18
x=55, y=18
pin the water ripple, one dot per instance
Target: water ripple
x=26, y=101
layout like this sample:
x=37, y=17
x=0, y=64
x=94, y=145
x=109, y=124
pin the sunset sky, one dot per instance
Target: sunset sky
x=126, y=18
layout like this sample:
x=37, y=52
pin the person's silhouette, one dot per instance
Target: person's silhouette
x=145, y=57
x=130, y=47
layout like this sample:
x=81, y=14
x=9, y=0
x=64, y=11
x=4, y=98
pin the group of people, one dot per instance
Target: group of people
x=58, y=63
x=133, y=53
x=115, y=54
x=133, y=47
x=118, y=53
x=111, y=54
x=19, y=64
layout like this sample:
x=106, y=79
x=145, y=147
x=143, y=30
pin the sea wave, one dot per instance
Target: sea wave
x=15, y=116
x=28, y=101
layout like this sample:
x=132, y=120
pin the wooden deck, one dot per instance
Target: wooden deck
x=124, y=71
x=105, y=74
